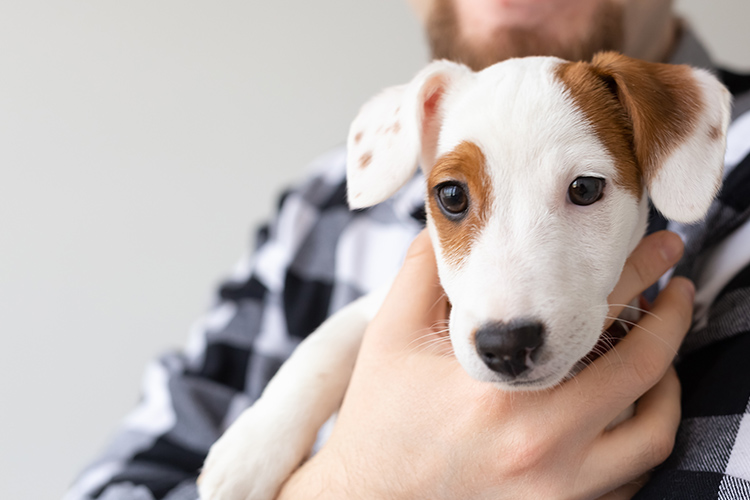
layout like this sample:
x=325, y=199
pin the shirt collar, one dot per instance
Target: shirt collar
x=689, y=50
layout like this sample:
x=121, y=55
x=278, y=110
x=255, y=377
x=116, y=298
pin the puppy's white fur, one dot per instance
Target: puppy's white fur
x=536, y=244
x=537, y=255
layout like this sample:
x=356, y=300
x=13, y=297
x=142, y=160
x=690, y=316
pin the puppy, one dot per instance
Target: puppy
x=538, y=173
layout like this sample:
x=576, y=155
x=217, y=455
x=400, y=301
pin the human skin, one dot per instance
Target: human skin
x=483, y=30
x=414, y=425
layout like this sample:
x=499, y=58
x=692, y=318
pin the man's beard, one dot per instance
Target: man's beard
x=447, y=42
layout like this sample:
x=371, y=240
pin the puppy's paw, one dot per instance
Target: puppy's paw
x=252, y=459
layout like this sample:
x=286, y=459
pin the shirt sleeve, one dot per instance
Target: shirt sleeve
x=190, y=397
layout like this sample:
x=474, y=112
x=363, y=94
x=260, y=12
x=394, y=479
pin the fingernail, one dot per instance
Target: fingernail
x=688, y=288
x=671, y=249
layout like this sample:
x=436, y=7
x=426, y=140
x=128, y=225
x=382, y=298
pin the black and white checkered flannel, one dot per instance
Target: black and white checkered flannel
x=317, y=256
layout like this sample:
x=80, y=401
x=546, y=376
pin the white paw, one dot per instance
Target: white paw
x=253, y=458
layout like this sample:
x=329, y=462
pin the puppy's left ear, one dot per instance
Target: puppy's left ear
x=680, y=117
x=396, y=131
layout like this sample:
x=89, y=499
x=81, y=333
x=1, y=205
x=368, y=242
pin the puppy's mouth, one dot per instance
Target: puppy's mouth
x=528, y=384
x=607, y=341
x=545, y=371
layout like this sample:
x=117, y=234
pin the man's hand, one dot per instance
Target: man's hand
x=414, y=425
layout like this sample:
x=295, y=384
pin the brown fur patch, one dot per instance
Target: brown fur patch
x=365, y=160
x=467, y=165
x=394, y=128
x=611, y=124
x=641, y=111
x=715, y=133
x=358, y=138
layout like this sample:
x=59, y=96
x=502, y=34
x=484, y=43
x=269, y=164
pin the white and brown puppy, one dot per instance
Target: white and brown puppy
x=538, y=176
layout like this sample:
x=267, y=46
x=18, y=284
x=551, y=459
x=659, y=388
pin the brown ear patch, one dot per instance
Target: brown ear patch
x=467, y=165
x=659, y=106
x=608, y=118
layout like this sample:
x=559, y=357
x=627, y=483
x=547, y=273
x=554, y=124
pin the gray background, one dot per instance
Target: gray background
x=140, y=142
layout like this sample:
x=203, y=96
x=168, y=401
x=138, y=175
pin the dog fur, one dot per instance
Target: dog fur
x=514, y=136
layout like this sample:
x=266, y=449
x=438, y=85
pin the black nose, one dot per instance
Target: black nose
x=508, y=348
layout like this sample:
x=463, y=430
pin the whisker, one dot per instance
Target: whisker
x=439, y=340
x=430, y=344
x=429, y=333
x=628, y=306
x=637, y=325
x=449, y=353
x=624, y=321
x=441, y=349
x=442, y=296
x=446, y=351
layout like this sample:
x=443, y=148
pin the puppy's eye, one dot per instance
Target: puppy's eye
x=452, y=198
x=586, y=190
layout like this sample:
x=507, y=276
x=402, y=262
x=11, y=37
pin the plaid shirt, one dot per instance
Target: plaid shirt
x=317, y=256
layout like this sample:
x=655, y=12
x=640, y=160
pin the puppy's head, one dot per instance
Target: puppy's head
x=538, y=172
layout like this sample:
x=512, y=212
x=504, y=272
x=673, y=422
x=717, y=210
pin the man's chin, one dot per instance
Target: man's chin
x=507, y=42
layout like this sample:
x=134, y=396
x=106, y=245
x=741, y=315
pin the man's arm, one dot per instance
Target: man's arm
x=188, y=399
x=274, y=299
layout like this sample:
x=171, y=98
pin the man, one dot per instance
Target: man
x=316, y=256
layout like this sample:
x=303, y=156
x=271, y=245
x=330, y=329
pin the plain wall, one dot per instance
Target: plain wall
x=140, y=142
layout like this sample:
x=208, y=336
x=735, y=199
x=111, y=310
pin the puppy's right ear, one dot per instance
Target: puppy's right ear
x=397, y=130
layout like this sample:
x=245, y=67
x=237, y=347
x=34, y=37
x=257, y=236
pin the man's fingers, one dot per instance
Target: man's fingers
x=417, y=282
x=653, y=256
x=657, y=416
x=628, y=490
x=416, y=303
x=645, y=440
x=640, y=360
x=420, y=258
x=620, y=455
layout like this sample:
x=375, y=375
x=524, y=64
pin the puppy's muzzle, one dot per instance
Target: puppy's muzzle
x=509, y=348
